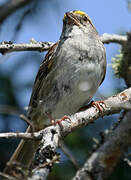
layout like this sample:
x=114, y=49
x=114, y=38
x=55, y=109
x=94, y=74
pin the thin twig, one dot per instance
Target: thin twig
x=23, y=117
x=6, y=109
x=67, y=152
x=7, y=176
x=27, y=136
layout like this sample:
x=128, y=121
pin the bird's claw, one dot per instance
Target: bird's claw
x=97, y=104
x=62, y=119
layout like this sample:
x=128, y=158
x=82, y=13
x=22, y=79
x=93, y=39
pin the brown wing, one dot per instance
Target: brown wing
x=44, y=69
x=104, y=69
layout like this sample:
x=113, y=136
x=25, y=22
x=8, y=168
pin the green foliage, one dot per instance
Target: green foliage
x=117, y=64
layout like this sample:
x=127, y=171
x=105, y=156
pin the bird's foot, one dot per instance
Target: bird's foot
x=54, y=123
x=98, y=105
x=62, y=119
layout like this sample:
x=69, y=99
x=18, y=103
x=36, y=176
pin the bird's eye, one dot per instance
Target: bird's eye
x=85, y=18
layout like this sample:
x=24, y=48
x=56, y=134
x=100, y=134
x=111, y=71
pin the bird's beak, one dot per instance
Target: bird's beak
x=72, y=18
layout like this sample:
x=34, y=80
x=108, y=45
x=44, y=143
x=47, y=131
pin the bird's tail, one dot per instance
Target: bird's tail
x=24, y=154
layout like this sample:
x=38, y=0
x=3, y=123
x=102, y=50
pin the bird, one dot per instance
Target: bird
x=69, y=76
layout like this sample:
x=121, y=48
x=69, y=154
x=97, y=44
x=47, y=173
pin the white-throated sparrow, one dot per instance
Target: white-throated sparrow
x=69, y=76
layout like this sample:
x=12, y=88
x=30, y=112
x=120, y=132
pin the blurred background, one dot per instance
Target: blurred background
x=42, y=20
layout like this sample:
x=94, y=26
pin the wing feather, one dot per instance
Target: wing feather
x=44, y=69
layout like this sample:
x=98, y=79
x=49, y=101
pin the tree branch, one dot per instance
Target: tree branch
x=7, y=47
x=111, y=105
x=102, y=162
x=113, y=38
x=52, y=135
